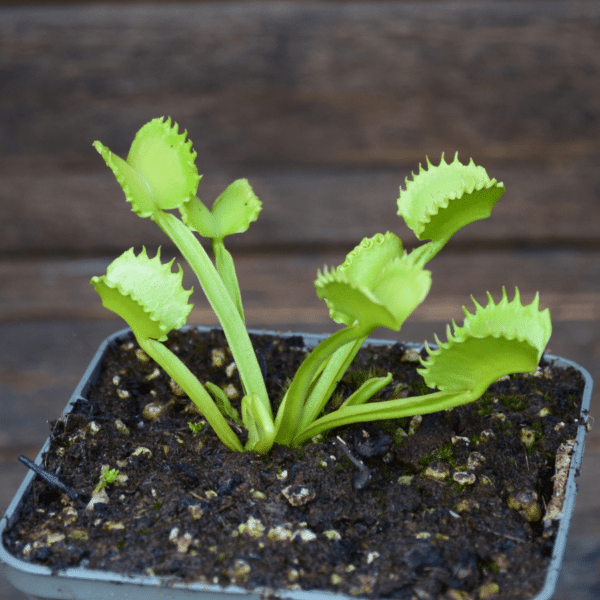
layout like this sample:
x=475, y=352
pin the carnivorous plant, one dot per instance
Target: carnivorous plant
x=378, y=285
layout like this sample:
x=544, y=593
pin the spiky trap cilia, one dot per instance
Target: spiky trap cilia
x=378, y=285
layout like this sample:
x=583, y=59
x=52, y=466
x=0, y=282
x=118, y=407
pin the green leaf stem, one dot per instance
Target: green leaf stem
x=367, y=390
x=220, y=301
x=222, y=401
x=175, y=368
x=232, y=212
x=259, y=422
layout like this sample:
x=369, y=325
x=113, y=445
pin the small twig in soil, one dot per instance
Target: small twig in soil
x=360, y=479
x=222, y=508
x=508, y=537
x=52, y=480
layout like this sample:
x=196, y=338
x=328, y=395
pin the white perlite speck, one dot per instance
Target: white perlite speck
x=279, y=534
x=306, y=535
x=252, y=527
x=464, y=477
x=298, y=495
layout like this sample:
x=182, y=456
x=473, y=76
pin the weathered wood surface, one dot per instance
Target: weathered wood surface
x=280, y=288
x=83, y=212
x=320, y=84
x=325, y=107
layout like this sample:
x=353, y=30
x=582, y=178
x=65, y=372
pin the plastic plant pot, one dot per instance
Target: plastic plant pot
x=80, y=583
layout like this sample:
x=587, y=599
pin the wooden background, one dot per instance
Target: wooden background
x=325, y=108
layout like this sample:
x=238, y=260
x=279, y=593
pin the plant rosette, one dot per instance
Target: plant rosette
x=253, y=422
x=458, y=504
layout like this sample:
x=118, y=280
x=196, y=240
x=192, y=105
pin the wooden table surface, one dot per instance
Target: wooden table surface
x=325, y=108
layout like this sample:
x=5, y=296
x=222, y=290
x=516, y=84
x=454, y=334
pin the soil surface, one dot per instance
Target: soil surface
x=447, y=506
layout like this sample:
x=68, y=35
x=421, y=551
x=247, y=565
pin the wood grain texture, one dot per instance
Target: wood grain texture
x=325, y=107
x=72, y=213
x=280, y=288
x=312, y=84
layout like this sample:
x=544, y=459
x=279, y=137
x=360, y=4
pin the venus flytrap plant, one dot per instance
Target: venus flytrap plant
x=362, y=293
x=378, y=285
x=435, y=204
x=150, y=297
x=160, y=174
x=496, y=340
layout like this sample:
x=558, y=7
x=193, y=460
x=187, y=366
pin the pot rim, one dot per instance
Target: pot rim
x=95, y=584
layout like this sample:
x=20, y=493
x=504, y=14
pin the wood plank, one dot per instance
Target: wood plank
x=325, y=107
x=73, y=212
x=124, y=2
x=280, y=288
x=303, y=83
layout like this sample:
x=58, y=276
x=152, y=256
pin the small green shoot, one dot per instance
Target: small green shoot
x=107, y=477
x=196, y=428
x=446, y=454
x=378, y=285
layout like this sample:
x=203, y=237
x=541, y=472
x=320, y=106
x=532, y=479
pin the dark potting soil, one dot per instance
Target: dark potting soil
x=450, y=505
